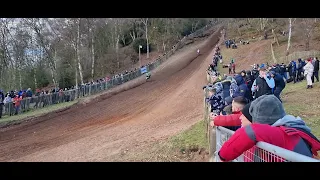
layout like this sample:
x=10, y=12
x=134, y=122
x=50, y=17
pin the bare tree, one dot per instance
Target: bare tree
x=307, y=26
x=145, y=23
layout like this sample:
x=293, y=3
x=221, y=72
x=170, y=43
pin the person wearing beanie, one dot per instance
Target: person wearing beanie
x=263, y=84
x=270, y=124
x=308, y=71
x=231, y=121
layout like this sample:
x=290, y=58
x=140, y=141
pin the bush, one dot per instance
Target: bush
x=127, y=38
x=143, y=43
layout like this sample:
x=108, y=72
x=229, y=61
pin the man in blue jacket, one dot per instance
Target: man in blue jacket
x=279, y=84
x=263, y=84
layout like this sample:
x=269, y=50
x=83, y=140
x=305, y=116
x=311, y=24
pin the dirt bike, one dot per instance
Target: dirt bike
x=148, y=76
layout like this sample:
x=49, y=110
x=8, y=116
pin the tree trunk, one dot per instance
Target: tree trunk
x=78, y=53
x=53, y=79
x=275, y=37
x=289, y=38
x=20, y=79
x=92, y=54
x=273, y=57
x=35, y=78
x=146, y=24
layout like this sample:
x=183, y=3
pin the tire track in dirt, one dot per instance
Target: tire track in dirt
x=100, y=131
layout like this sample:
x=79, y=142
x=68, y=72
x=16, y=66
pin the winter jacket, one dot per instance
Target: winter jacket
x=16, y=101
x=264, y=86
x=290, y=133
x=228, y=120
x=216, y=101
x=316, y=65
x=308, y=68
x=1, y=97
x=233, y=87
x=29, y=93
x=7, y=99
x=279, y=81
x=242, y=89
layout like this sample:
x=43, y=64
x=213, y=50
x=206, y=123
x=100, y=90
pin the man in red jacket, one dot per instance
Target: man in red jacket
x=271, y=125
x=233, y=119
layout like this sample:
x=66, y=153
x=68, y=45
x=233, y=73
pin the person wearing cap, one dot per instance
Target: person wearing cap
x=308, y=72
x=270, y=124
x=231, y=121
x=215, y=99
x=279, y=84
x=263, y=84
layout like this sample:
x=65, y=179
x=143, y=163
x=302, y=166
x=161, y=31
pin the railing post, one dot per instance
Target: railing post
x=217, y=133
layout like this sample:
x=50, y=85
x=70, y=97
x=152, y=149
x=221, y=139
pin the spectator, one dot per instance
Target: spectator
x=308, y=71
x=292, y=71
x=283, y=72
x=231, y=121
x=1, y=102
x=233, y=87
x=242, y=89
x=16, y=102
x=29, y=93
x=230, y=68
x=316, y=70
x=234, y=68
x=263, y=84
x=216, y=99
x=279, y=84
x=300, y=69
x=273, y=126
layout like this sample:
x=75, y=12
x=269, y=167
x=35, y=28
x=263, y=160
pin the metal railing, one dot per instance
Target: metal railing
x=45, y=100
x=261, y=152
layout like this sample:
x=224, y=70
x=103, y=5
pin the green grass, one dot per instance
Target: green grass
x=194, y=137
x=37, y=112
x=302, y=102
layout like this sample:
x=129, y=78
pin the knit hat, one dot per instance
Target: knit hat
x=266, y=109
x=245, y=112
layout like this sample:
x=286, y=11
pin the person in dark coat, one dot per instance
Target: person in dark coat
x=300, y=70
x=279, y=84
x=263, y=84
x=242, y=89
x=316, y=70
x=1, y=102
x=283, y=71
x=292, y=68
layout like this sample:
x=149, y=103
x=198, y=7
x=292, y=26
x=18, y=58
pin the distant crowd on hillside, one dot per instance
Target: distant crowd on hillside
x=11, y=101
x=249, y=103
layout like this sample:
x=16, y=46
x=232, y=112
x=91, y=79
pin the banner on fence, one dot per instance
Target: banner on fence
x=144, y=69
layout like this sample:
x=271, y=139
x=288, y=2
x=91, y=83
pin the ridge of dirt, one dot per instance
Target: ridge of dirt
x=138, y=116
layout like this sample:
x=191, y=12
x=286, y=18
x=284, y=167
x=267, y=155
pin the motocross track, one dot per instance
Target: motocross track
x=118, y=121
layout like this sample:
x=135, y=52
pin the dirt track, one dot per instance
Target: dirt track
x=102, y=130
